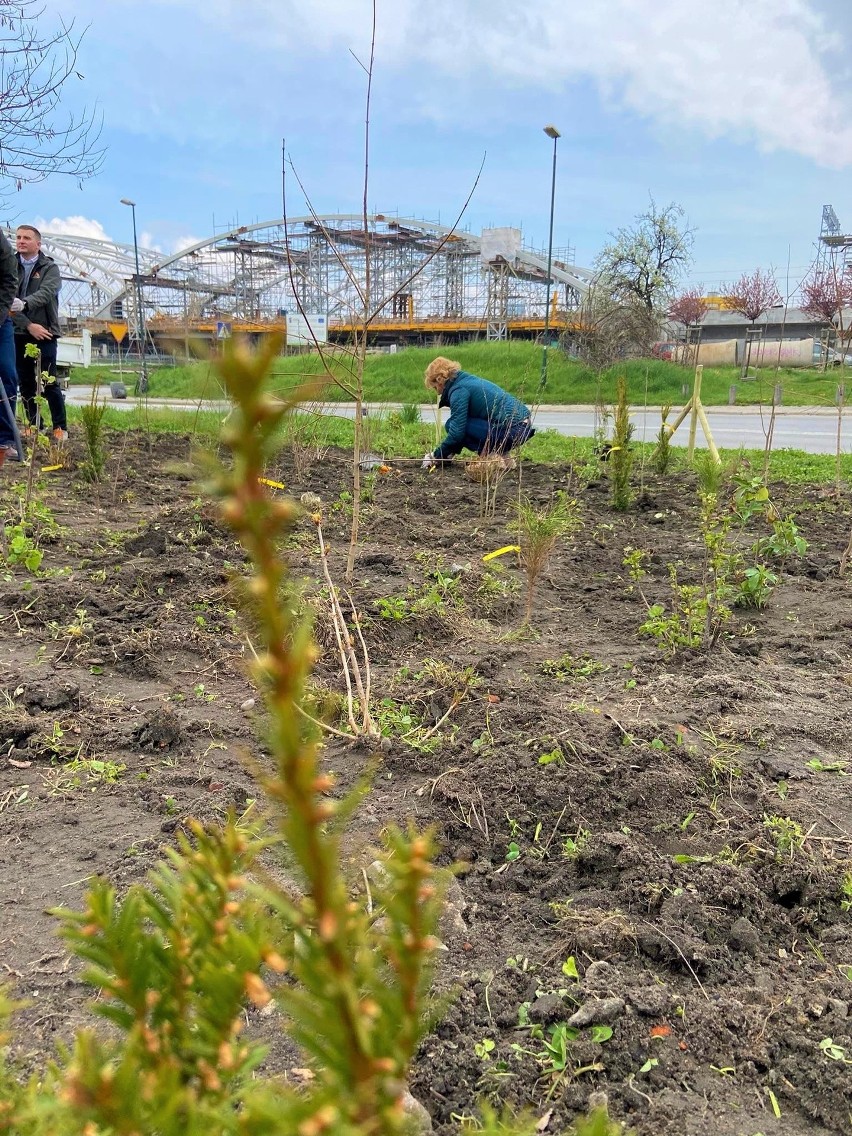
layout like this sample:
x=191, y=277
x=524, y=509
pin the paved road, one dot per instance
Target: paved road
x=813, y=429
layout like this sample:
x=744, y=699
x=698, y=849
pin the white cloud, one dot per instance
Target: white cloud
x=184, y=242
x=75, y=226
x=762, y=70
x=147, y=241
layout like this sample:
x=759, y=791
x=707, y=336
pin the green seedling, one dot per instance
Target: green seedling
x=569, y=968
x=21, y=550
x=828, y=766
x=555, y=757
x=788, y=835
x=483, y=1049
x=575, y=668
x=650, y=1064
x=846, y=893
x=755, y=586
x=572, y=846
x=513, y=851
x=833, y=1051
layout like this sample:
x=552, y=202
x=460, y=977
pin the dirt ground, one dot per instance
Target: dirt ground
x=634, y=877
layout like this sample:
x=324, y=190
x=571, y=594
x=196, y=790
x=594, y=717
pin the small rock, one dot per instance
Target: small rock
x=248, y=704
x=839, y=1008
x=421, y=1121
x=161, y=729
x=546, y=1009
x=599, y=974
x=452, y=921
x=743, y=936
x=597, y=1011
x=652, y=1001
x=49, y=696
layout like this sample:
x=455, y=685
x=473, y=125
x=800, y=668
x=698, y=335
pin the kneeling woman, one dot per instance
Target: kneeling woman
x=483, y=417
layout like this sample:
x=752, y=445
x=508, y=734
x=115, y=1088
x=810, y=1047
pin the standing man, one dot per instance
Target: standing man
x=35, y=313
x=8, y=375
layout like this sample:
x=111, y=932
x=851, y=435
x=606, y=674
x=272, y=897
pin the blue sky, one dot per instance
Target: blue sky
x=740, y=111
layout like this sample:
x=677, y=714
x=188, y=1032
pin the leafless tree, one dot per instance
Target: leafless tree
x=36, y=66
x=613, y=329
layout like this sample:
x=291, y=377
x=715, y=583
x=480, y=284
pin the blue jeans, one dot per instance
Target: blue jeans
x=9, y=378
x=482, y=436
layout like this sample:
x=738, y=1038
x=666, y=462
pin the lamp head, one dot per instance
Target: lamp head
x=552, y=132
x=127, y=201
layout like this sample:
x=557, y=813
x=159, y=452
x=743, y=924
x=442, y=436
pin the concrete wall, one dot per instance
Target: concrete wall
x=794, y=353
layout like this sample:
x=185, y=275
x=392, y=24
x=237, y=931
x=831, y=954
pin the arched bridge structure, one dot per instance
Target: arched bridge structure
x=417, y=280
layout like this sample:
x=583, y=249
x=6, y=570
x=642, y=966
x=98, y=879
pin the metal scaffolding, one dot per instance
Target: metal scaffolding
x=424, y=279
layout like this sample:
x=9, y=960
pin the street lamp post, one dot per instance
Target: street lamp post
x=553, y=133
x=142, y=381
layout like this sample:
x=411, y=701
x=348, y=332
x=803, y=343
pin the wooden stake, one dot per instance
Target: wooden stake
x=695, y=406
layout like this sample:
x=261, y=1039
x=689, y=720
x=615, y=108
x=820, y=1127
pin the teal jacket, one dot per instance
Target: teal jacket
x=469, y=396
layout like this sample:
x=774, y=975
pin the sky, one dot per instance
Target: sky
x=738, y=110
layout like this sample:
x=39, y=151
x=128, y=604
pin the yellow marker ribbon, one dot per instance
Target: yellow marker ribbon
x=50, y=468
x=272, y=484
x=502, y=551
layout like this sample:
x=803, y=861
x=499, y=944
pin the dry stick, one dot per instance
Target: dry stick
x=844, y=559
x=654, y=927
x=456, y=701
x=31, y=469
x=837, y=479
x=324, y=725
x=367, y=669
x=361, y=341
x=351, y=669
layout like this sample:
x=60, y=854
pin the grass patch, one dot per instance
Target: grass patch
x=514, y=365
x=394, y=438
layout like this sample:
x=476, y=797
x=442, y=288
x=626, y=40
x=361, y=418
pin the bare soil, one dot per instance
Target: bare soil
x=640, y=849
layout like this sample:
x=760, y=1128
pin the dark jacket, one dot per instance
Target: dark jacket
x=42, y=296
x=468, y=396
x=8, y=277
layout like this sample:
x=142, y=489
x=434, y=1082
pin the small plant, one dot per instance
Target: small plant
x=620, y=454
x=662, y=455
x=846, y=892
x=788, y=835
x=18, y=548
x=572, y=846
x=555, y=757
x=539, y=530
x=755, y=586
x=81, y=773
x=395, y=608
x=568, y=666
x=92, y=417
x=834, y=1051
x=483, y=1049
x=784, y=543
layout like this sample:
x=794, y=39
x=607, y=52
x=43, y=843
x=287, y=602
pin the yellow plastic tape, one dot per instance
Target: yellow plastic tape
x=50, y=468
x=272, y=484
x=502, y=551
